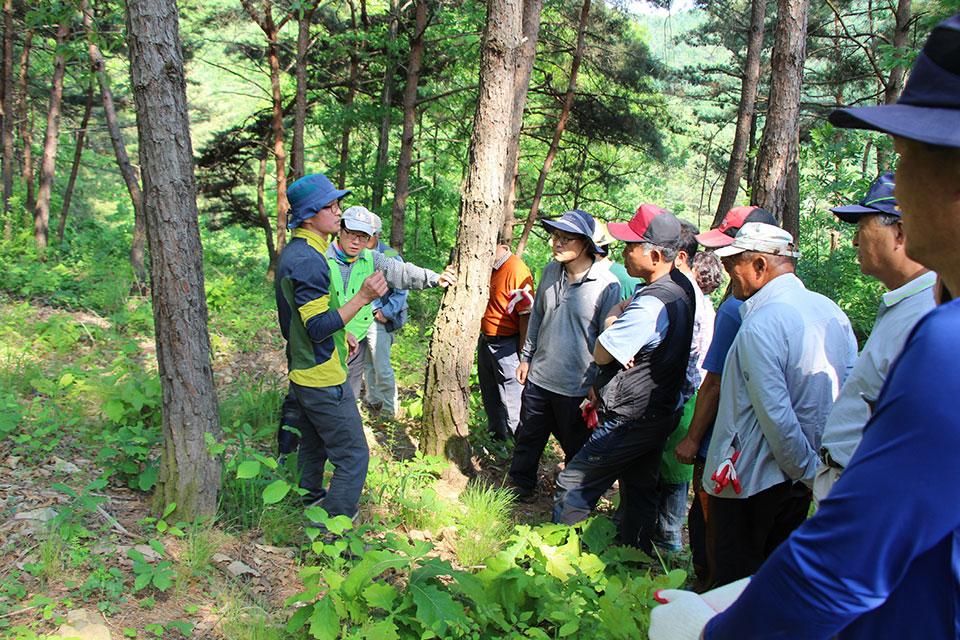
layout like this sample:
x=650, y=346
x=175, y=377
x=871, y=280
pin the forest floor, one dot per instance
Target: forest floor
x=71, y=543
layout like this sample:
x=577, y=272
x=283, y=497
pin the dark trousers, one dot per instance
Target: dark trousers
x=497, y=360
x=697, y=523
x=628, y=451
x=287, y=439
x=543, y=413
x=332, y=430
x=355, y=366
x=746, y=531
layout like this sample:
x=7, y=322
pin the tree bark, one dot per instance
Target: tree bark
x=778, y=143
x=894, y=86
x=75, y=167
x=6, y=111
x=26, y=128
x=532, y=10
x=386, y=98
x=446, y=408
x=745, y=111
x=48, y=162
x=138, y=244
x=561, y=125
x=189, y=475
x=265, y=221
x=300, y=101
x=401, y=191
x=272, y=30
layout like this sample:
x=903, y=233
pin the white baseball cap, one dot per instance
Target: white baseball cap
x=760, y=237
x=358, y=218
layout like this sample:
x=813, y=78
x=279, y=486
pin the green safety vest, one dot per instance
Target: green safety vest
x=362, y=268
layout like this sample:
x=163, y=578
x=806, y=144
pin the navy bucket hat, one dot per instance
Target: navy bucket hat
x=929, y=107
x=578, y=222
x=879, y=199
x=308, y=195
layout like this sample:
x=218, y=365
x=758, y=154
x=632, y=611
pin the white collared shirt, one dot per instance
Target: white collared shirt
x=784, y=370
x=899, y=311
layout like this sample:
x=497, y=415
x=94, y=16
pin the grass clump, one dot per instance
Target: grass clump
x=484, y=524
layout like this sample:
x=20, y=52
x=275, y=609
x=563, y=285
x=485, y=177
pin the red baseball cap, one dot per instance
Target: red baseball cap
x=735, y=218
x=649, y=224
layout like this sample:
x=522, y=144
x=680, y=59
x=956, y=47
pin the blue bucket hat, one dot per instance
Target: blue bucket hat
x=578, y=222
x=308, y=195
x=879, y=199
x=929, y=107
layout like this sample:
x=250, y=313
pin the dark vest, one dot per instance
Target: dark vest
x=651, y=388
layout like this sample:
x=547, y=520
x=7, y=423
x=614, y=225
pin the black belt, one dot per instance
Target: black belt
x=498, y=339
x=828, y=459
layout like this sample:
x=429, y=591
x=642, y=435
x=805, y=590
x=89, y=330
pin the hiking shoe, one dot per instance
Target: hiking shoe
x=669, y=546
x=522, y=494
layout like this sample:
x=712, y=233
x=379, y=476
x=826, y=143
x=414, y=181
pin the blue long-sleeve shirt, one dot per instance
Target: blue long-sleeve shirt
x=881, y=558
x=394, y=300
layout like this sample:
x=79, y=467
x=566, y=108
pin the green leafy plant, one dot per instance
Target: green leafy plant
x=550, y=581
x=161, y=575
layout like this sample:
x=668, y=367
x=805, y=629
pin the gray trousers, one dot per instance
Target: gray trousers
x=332, y=430
x=497, y=361
x=355, y=367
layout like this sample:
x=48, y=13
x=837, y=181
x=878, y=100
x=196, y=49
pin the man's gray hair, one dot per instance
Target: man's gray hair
x=669, y=253
x=887, y=219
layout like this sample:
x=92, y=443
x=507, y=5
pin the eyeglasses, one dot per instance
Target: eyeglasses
x=355, y=235
x=333, y=206
x=562, y=240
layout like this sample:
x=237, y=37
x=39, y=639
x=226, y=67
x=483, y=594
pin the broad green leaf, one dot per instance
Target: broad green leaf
x=275, y=491
x=380, y=594
x=141, y=581
x=324, y=622
x=299, y=617
x=114, y=409
x=59, y=486
x=569, y=628
x=162, y=581
x=156, y=546
x=170, y=508
x=598, y=534
x=436, y=609
x=148, y=478
x=248, y=469
x=383, y=630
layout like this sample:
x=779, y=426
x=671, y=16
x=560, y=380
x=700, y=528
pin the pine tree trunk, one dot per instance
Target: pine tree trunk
x=189, y=475
x=48, y=162
x=401, y=191
x=528, y=54
x=265, y=221
x=446, y=412
x=75, y=167
x=6, y=111
x=745, y=111
x=138, y=244
x=300, y=104
x=778, y=143
x=26, y=128
x=272, y=30
x=561, y=125
x=894, y=85
x=386, y=98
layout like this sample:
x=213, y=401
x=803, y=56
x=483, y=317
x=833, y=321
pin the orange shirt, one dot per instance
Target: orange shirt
x=513, y=274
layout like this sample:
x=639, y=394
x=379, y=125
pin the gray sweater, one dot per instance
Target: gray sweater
x=566, y=319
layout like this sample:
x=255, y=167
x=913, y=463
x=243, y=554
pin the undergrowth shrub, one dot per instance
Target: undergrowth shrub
x=550, y=581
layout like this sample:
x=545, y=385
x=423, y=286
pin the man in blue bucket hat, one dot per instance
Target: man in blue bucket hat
x=312, y=320
x=880, y=245
x=881, y=557
x=556, y=365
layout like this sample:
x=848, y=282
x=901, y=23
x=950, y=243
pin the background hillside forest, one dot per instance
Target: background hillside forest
x=140, y=388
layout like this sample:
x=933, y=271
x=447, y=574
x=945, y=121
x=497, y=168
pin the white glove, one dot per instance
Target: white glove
x=684, y=614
